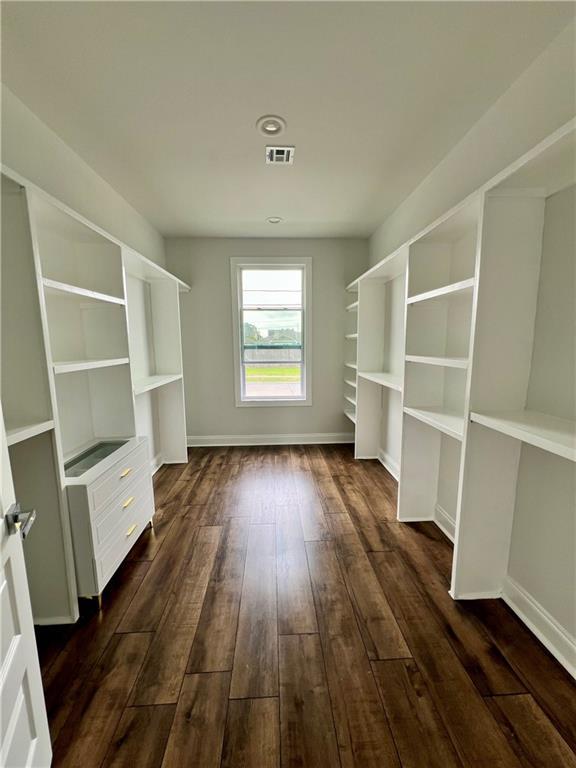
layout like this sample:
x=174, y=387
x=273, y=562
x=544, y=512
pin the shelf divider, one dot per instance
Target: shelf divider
x=463, y=286
x=383, y=378
x=444, y=362
x=72, y=366
x=149, y=383
x=54, y=286
x=549, y=433
x=446, y=421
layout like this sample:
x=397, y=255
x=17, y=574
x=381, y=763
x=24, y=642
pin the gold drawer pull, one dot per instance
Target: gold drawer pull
x=128, y=501
x=125, y=472
x=131, y=530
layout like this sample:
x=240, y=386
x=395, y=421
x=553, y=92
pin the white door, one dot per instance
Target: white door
x=24, y=735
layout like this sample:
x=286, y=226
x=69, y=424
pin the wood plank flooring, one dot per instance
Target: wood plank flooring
x=278, y=615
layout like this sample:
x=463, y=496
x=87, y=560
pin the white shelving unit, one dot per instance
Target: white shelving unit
x=69, y=397
x=30, y=421
x=485, y=386
x=156, y=357
x=351, y=355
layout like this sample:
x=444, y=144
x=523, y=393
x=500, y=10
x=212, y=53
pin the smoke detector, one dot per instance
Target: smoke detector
x=280, y=155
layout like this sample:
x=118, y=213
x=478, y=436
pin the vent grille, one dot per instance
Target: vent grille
x=280, y=155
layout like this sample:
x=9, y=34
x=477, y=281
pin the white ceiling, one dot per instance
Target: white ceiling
x=161, y=100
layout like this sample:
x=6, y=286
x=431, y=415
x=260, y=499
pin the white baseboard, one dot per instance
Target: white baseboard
x=48, y=622
x=444, y=522
x=560, y=643
x=309, y=438
x=156, y=463
x=389, y=463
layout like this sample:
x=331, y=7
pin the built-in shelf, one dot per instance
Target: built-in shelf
x=153, y=382
x=463, y=286
x=352, y=307
x=351, y=415
x=23, y=432
x=350, y=383
x=446, y=421
x=389, y=380
x=351, y=336
x=73, y=366
x=56, y=287
x=353, y=286
x=444, y=362
x=351, y=365
x=350, y=400
x=539, y=429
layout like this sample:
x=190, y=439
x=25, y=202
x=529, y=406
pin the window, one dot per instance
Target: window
x=272, y=349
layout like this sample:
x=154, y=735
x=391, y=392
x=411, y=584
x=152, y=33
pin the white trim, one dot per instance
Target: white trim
x=309, y=438
x=444, y=522
x=156, y=463
x=560, y=643
x=237, y=263
x=389, y=464
x=48, y=621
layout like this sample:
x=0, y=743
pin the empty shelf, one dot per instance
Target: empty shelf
x=152, y=382
x=384, y=379
x=71, y=366
x=547, y=432
x=53, y=286
x=351, y=365
x=350, y=383
x=464, y=286
x=351, y=415
x=445, y=362
x=448, y=422
x=351, y=336
x=350, y=400
x=352, y=307
x=26, y=431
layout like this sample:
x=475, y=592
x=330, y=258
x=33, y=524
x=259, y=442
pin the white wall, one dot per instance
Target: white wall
x=541, y=100
x=207, y=334
x=33, y=150
x=542, y=555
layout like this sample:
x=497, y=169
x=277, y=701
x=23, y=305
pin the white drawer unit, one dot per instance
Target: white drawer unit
x=110, y=505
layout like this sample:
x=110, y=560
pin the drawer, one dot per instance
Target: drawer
x=115, y=514
x=110, y=558
x=118, y=476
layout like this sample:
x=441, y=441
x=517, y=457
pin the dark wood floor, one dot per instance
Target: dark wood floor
x=279, y=616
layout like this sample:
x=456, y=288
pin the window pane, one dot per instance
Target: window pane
x=272, y=288
x=271, y=380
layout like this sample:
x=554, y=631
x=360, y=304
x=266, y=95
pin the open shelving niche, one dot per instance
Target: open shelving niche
x=442, y=267
x=517, y=517
x=381, y=324
x=29, y=418
x=156, y=357
x=351, y=354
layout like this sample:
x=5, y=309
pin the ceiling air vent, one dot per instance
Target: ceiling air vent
x=280, y=155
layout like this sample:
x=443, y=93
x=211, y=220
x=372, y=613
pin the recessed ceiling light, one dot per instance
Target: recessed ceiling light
x=271, y=125
x=274, y=219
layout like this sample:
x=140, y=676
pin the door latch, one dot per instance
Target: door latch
x=20, y=520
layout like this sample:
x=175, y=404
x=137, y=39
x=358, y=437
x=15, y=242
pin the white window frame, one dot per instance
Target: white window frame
x=237, y=264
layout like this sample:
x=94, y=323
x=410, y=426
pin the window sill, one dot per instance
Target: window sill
x=274, y=403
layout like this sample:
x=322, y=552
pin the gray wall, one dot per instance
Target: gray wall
x=209, y=368
x=540, y=101
x=33, y=150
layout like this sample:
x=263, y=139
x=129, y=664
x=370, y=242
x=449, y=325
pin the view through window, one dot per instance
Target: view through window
x=272, y=334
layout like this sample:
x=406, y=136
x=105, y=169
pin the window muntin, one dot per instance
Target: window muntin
x=271, y=320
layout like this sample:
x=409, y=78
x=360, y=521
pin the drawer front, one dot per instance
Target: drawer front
x=112, y=517
x=110, y=558
x=118, y=476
